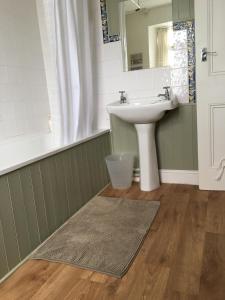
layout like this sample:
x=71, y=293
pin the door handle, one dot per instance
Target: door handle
x=205, y=53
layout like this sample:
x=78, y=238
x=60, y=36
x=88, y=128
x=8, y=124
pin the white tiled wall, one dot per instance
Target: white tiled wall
x=24, y=105
x=110, y=77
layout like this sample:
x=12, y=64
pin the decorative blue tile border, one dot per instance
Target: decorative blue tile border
x=190, y=27
x=105, y=29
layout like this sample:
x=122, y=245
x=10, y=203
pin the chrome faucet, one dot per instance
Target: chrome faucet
x=123, y=99
x=166, y=95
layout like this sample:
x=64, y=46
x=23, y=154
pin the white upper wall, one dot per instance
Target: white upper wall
x=24, y=105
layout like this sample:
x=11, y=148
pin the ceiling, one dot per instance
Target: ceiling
x=129, y=6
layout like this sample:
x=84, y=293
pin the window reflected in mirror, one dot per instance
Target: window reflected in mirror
x=160, y=39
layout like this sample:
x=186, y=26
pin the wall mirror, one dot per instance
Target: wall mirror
x=154, y=34
x=146, y=31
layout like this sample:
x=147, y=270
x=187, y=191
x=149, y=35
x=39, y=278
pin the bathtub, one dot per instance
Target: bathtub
x=49, y=183
x=20, y=152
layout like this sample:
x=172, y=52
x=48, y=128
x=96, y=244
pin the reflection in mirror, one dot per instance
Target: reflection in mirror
x=146, y=31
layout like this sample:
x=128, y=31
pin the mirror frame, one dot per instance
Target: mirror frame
x=105, y=28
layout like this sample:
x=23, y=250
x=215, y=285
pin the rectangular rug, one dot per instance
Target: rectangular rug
x=104, y=235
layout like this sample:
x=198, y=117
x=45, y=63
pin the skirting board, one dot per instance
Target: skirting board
x=175, y=176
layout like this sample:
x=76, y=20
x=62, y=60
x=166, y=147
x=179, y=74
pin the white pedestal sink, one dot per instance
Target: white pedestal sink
x=144, y=114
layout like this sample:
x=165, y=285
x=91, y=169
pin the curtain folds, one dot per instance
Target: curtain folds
x=123, y=35
x=74, y=68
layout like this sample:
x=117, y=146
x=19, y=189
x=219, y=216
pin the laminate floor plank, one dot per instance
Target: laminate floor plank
x=212, y=284
x=27, y=280
x=186, y=270
x=163, y=242
x=216, y=213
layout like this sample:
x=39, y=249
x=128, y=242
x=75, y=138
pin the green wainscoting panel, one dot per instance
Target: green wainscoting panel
x=19, y=215
x=3, y=258
x=176, y=139
x=7, y=220
x=37, y=199
x=124, y=138
x=195, y=138
x=40, y=206
x=29, y=202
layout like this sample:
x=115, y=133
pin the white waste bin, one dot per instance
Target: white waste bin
x=120, y=168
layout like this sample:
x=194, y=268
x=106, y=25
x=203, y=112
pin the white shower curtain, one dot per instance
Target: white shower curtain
x=74, y=68
x=123, y=35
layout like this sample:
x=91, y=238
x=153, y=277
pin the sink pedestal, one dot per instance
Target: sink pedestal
x=144, y=114
x=149, y=173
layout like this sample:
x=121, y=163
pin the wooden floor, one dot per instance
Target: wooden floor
x=183, y=256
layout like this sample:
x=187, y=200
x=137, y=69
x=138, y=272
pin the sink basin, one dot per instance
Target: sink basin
x=143, y=111
x=144, y=114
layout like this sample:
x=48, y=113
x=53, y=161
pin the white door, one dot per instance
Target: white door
x=210, y=34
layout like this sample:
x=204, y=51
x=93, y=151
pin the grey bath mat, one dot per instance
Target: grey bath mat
x=105, y=235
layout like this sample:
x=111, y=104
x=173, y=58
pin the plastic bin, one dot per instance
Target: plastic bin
x=120, y=168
